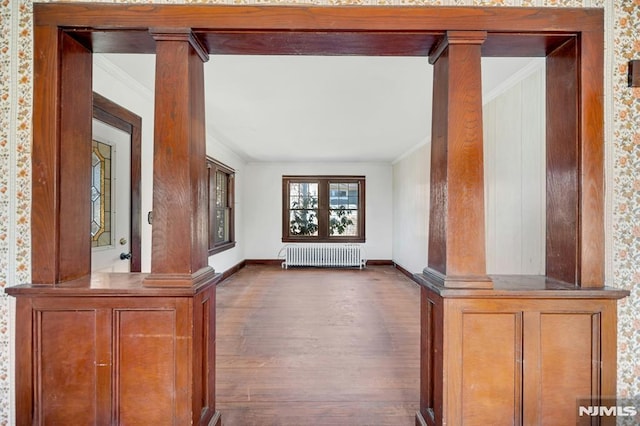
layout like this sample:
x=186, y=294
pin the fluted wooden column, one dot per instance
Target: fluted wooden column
x=456, y=222
x=179, y=232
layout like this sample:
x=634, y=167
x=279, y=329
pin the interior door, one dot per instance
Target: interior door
x=110, y=197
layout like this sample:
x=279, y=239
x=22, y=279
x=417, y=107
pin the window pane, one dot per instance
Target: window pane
x=343, y=222
x=303, y=222
x=303, y=195
x=221, y=189
x=222, y=226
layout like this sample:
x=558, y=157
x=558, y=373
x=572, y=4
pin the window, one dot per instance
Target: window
x=221, y=195
x=323, y=208
x=101, y=194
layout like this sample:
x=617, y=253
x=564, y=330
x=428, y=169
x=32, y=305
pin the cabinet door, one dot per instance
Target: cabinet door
x=563, y=364
x=151, y=368
x=71, y=366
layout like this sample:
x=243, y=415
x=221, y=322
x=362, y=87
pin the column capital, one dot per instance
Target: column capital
x=181, y=34
x=456, y=37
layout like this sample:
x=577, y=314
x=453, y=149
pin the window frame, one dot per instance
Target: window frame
x=323, y=182
x=213, y=167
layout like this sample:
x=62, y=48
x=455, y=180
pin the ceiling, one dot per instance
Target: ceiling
x=321, y=108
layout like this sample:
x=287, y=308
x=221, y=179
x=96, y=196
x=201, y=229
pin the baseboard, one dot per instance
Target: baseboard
x=403, y=270
x=277, y=262
x=379, y=262
x=235, y=268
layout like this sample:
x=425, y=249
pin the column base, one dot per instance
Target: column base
x=202, y=276
x=457, y=281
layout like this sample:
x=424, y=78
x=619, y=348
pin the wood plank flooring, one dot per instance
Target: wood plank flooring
x=312, y=346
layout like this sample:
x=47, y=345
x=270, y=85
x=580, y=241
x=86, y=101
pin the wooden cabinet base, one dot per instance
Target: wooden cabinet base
x=522, y=353
x=107, y=350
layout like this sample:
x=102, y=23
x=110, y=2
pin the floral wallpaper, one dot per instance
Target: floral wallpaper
x=622, y=137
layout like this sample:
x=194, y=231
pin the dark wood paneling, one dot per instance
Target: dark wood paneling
x=133, y=359
x=567, y=363
x=456, y=225
x=634, y=73
x=314, y=43
x=512, y=356
x=591, y=172
x=68, y=378
x=438, y=171
x=431, y=362
x=491, y=366
x=75, y=159
x=522, y=44
x=309, y=18
x=563, y=192
x=265, y=42
x=45, y=208
x=145, y=366
x=180, y=193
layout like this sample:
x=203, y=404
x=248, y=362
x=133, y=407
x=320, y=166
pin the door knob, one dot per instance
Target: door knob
x=124, y=256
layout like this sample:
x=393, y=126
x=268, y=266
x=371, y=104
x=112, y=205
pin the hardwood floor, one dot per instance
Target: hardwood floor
x=317, y=347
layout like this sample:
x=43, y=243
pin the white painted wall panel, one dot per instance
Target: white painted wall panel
x=514, y=139
x=411, y=209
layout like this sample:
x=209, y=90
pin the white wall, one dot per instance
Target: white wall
x=113, y=83
x=411, y=208
x=515, y=194
x=514, y=159
x=263, y=204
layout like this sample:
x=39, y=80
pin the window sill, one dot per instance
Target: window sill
x=221, y=247
x=323, y=240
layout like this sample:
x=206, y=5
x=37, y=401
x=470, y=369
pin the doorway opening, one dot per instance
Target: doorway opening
x=120, y=128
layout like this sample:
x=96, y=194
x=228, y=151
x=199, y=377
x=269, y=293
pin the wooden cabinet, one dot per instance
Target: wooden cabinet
x=522, y=353
x=110, y=351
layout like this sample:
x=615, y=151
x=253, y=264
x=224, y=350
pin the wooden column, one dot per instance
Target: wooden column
x=575, y=162
x=179, y=233
x=456, y=222
x=61, y=157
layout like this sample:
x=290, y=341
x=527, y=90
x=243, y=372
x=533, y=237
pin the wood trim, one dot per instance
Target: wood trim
x=272, y=262
x=115, y=115
x=457, y=238
x=510, y=30
x=179, y=233
x=323, y=182
x=562, y=168
x=634, y=73
x=405, y=272
x=75, y=164
x=213, y=166
x=231, y=271
x=45, y=158
x=380, y=262
x=322, y=19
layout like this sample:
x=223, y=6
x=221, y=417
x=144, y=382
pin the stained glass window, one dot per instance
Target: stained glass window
x=101, y=157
